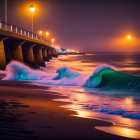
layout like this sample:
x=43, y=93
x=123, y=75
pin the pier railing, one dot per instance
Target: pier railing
x=18, y=30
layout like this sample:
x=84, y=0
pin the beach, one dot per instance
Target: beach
x=69, y=70
x=29, y=112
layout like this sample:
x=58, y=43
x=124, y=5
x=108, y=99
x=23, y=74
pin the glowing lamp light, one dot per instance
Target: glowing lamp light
x=47, y=33
x=32, y=9
x=40, y=32
x=53, y=40
x=129, y=37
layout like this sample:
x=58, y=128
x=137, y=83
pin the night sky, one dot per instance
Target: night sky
x=86, y=25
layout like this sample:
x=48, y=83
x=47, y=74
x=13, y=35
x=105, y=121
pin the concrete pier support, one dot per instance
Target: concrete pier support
x=28, y=55
x=2, y=55
x=8, y=54
x=44, y=53
x=38, y=56
x=49, y=53
x=54, y=53
x=17, y=53
x=13, y=49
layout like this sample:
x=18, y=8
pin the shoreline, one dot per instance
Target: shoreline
x=32, y=113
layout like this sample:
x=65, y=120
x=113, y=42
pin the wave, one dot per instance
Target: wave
x=18, y=71
x=121, y=112
x=104, y=77
x=66, y=72
x=63, y=76
x=96, y=79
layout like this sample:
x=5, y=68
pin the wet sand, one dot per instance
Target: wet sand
x=29, y=113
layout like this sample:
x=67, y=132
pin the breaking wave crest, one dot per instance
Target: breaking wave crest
x=18, y=71
x=96, y=78
x=66, y=72
x=63, y=76
x=104, y=76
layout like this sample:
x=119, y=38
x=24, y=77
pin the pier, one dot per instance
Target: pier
x=24, y=46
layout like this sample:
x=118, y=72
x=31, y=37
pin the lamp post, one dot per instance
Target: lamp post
x=47, y=34
x=6, y=14
x=32, y=10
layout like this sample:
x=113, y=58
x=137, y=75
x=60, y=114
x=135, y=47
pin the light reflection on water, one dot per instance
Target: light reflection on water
x=80, y=99
x=122, y=131
x=75, y=65
x=82, y=64
x=85, y=101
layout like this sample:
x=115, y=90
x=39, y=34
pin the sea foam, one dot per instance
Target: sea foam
x=104, y=76
x=18, y=71
x=63, y=76
x=66, y=72
x=66, y=77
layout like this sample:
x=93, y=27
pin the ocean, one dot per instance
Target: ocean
x=103, y=86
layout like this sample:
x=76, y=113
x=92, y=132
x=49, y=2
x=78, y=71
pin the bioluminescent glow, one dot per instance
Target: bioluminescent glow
x=104, y=76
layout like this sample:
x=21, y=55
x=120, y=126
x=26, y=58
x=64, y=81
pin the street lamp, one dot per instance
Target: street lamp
x=32, y=10
x=129, y=37
x=40, y=33
x=52, y=40
x=47, y=34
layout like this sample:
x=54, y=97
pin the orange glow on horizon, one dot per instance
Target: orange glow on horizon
x=125, y=43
